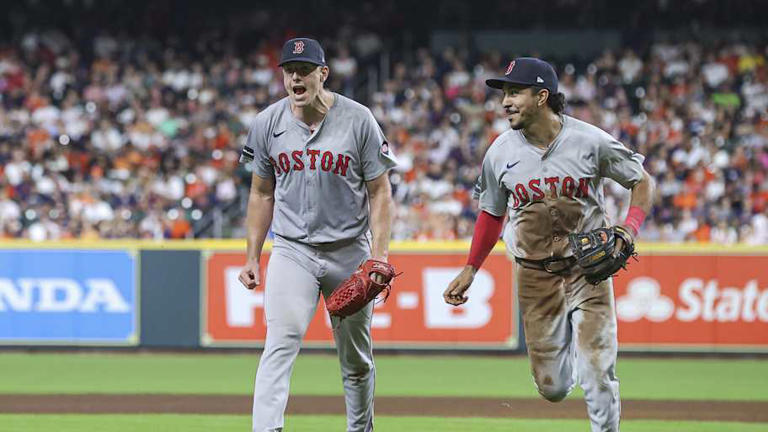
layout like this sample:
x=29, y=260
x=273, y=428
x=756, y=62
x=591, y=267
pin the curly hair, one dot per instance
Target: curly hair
x=556, y=102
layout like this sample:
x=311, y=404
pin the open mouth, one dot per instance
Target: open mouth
x=299, y=90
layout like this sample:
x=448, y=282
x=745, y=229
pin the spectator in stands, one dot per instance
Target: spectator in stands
x=124, y=139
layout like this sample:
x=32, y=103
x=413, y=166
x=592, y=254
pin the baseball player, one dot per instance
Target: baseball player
x=320, y=165
x=546, y=174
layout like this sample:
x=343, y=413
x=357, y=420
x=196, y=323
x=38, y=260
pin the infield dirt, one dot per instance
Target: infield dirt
x=742, y=411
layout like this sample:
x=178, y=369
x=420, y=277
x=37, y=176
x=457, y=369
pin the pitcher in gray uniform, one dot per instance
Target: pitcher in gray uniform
x=547, y=174
x=320, y=165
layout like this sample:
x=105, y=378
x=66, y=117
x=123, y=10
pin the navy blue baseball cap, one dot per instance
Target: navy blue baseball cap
x=302, y=50
x=528, y=71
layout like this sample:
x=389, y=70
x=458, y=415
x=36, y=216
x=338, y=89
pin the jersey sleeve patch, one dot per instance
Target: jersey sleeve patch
x=246, y=155
x=478, y=189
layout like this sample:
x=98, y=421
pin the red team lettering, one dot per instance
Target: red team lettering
x=298, y=163
x=342, y=162
x=274, y=164
x=583, y=190
x=325, y=164
x=552, y=183
x=567, y=188
x=283, y=163
x=312, y=158
x=521, y=193
x=537, y=193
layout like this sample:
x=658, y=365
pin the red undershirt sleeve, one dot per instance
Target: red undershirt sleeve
x=487, y=231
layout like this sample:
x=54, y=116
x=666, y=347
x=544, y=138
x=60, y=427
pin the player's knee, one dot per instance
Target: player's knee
x=553, y=390
x=553, y=394
x=285, y=338
x=359, y=368
x=600, y=381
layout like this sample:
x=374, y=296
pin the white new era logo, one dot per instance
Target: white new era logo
x=539, y=80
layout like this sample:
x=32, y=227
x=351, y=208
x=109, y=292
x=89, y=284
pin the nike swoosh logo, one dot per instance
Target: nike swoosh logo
x=509, y=165
x=277, y=134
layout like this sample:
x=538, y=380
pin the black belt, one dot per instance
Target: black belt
x=550, y=265
x=326, y=246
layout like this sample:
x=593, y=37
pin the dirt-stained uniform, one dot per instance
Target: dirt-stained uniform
x=570, y=325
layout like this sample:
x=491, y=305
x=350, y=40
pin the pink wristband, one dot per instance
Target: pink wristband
x=635, y=218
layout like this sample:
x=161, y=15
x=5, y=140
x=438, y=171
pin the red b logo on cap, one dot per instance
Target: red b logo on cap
x=298, y=47
x=510, y=67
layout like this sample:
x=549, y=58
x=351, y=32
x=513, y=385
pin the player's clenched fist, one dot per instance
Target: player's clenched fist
x=454, y=294
x=249, y=275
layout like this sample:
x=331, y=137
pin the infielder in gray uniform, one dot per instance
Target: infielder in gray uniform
x=320, y=165
x=547, y=175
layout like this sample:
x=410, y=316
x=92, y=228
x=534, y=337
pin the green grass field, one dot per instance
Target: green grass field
x=22, y=373
x=700, y=379
x=226, y=423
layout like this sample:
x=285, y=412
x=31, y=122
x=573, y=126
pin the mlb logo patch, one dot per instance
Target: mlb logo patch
x=384, y=148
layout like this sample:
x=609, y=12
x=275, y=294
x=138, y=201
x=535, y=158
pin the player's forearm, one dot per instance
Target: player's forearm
x=382, y=211
x=642, y=193
x=639, y=203
x=258, y=221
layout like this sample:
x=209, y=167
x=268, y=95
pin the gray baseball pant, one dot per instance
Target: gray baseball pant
x=569, y=322
x=296, y=276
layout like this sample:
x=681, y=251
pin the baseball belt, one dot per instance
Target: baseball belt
x=550, y=265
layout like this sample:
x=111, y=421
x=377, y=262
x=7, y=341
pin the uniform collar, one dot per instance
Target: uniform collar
x=555, y=142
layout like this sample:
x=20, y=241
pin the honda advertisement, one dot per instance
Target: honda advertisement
x=415, y=314
x=72, y=297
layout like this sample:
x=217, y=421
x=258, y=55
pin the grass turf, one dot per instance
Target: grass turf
x=224, y=423
x=702, y=379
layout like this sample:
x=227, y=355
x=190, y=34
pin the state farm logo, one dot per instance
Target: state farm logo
x=644, y=300
x=697, y=299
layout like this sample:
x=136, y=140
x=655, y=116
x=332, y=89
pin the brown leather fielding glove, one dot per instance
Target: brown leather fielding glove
x=594, y=252
x=359, y=289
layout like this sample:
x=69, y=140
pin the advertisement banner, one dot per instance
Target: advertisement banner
x=704, y=302
x=415, y=314
x=77, y=297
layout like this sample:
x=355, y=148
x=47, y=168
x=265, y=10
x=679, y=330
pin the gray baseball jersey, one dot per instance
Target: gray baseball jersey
x=320, y=195
x=551, y=193
x=321, y=221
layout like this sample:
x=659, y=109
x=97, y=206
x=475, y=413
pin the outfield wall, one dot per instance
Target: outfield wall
x=185, y=294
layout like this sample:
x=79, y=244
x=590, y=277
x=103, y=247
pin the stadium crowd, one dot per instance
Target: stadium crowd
x=142, y=141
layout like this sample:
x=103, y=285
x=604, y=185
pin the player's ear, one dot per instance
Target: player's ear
x=324, y=72
x=543, y=95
